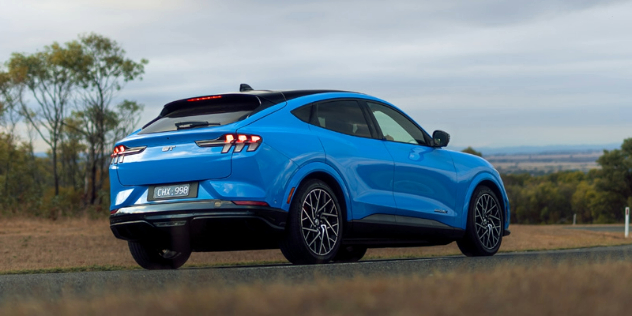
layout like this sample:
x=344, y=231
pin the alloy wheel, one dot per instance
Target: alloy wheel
x=488, y=221
x=320, y=222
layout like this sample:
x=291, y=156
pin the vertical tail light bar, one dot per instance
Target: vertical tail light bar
x=122, y=150
x=239, y=141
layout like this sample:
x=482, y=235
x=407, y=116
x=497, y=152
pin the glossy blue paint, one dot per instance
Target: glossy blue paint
x=471, y=172
x=314, y=167
x=181, y=164
x=376, y=176
x=424, y=183
x=369, y=177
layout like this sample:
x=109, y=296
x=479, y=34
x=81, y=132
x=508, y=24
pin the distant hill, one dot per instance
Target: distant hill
x=549, y=149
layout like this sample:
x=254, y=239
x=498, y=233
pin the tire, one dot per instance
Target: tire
x=485, y=224
x=152, y=258
x=349, y=254
x=314, y=228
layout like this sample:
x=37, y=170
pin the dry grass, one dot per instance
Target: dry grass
x=28, y=244
x=598, y=289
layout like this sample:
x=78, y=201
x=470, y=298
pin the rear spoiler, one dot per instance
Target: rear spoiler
x=246, y=96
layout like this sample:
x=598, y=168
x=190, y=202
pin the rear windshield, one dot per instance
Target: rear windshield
x=200, y=114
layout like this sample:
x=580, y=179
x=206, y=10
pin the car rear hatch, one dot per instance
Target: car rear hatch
x=168, y=152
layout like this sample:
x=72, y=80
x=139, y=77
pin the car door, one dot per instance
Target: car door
x=424, y=178
x=351, y=148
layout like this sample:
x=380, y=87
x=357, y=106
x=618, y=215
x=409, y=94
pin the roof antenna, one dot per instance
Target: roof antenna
x=245, y=87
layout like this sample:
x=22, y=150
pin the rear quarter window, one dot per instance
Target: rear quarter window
x=303, y=113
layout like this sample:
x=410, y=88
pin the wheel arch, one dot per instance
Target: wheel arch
x=334, y=185
x=325, y=173
x=488, y=180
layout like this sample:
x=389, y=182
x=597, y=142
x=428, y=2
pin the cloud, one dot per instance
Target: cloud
x=489, y=72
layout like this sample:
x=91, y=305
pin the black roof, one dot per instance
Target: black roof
x=277, y=96
x=265, y=98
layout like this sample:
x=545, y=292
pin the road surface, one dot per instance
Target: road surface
x=54, y=286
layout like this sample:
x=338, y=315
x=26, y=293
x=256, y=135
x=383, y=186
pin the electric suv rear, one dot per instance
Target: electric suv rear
x=322, y=175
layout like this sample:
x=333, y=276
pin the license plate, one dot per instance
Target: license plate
x=172, y=191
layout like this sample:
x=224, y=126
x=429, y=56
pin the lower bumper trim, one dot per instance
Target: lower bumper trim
x=210, y=229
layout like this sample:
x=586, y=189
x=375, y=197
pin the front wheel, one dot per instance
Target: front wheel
x=484, y=229
x=314, y=228
x=154, y=258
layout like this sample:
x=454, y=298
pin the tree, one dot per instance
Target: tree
x=50, y=76
x=472, y=151
x=10, y=93
x=127, y=119
x=71, y=152
x=105, y=73
x=615, y=179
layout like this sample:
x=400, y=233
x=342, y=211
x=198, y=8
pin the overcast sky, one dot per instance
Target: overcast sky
x=491, y=73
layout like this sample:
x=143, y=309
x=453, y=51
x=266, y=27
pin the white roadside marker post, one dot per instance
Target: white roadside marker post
x=574, y=219
x=627, y=222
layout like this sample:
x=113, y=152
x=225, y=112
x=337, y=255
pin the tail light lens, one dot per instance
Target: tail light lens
x=122, y=150
x=239, y=141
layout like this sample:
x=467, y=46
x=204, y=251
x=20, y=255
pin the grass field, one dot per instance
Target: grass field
x=564, y=289
x=29, y=245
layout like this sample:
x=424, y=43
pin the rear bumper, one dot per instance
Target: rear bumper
x=210, y=225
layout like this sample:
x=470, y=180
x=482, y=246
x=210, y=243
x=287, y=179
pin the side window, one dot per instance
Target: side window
x=303, y=113
x=343, y=116
x=396, y=127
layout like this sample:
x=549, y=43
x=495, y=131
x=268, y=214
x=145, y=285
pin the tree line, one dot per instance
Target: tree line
x=598, y=196
x=64, y=95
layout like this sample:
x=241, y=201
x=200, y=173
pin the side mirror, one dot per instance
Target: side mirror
x=440, y=138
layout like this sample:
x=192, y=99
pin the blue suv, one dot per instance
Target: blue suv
x=323, y=175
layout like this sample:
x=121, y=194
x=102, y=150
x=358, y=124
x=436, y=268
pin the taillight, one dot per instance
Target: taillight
x=121, y=150
x=229, y=140
x=117, y=150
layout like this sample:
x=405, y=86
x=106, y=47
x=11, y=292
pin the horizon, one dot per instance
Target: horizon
x=509, y=150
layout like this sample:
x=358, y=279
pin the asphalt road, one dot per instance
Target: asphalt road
x=54, y=286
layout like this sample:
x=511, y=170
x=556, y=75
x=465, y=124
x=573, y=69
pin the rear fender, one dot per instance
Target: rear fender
x=312, y=167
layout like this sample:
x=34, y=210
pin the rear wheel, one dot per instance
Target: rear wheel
x=314, y=229
x=484, y=229
x=154, y=258
x=349, y=254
